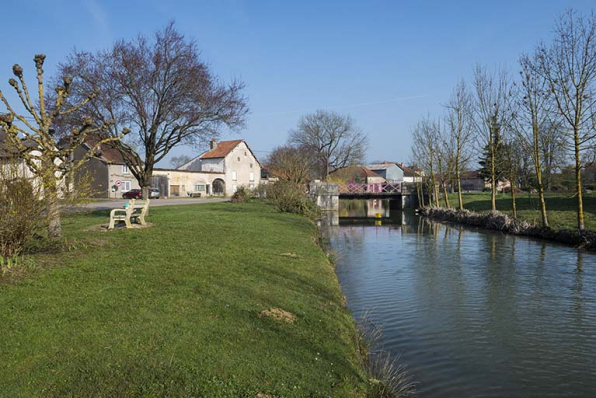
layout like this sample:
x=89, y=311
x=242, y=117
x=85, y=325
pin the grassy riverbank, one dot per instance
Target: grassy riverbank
x=176, y=310
x=561, y=207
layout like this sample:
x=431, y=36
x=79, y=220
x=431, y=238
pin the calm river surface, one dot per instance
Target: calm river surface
x=472, y=313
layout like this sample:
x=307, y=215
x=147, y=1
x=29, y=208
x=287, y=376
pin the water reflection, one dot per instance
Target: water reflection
x=474, y=313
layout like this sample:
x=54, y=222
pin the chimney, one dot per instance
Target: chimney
x=213, y=144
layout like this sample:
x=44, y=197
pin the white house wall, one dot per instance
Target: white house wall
x=184, y=182
x=117, y=173
x=241, y=169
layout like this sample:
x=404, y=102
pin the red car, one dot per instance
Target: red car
x=133, y=194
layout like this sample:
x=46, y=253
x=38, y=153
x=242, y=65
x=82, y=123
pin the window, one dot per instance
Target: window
x=234, y=188
x=125, y=186
x=251, y=165
x=125, y=169
x=238, y=158
x=245, y=154
x=234, y=176
x=199, y=187
x=252, y=176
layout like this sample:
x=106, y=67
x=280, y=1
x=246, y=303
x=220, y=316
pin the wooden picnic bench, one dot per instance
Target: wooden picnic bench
x=136, y=210
x=194, y=194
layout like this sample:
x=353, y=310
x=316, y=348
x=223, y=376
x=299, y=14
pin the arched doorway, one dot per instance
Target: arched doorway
x=219, y=187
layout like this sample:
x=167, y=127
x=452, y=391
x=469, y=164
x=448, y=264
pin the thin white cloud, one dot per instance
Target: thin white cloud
x=399, y=99
x=99, y=15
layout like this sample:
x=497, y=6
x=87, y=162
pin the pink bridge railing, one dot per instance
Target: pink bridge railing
x=355, y=188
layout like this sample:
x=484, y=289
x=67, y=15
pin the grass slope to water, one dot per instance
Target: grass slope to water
x=561, y=208
x=172, y=310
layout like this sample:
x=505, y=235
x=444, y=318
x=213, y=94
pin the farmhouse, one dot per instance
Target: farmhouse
x=233, y=160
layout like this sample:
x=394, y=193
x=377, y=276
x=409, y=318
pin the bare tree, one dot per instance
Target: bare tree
x=446, y=152
x=513, y=153
x=334, y=138
x=461, y=132
x=491, y=108
x=569, y=67
x=33, y=137
x=162, y=90
x=424, y=151
x=290, y=163
x=178, y=161
x=535, y=120
x=554, y=151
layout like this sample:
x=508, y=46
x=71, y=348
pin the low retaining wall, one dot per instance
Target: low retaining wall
x=501, y=222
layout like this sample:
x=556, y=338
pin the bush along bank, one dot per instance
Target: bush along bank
x=495, y=220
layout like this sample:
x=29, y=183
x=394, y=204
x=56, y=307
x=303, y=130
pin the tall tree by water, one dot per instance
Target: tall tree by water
x=425, y=144
x=569, y=66
x=34, y=137
x=335, y=139
x=535, y=119
x=492, y=112
x=459, y=122
x=162, y=90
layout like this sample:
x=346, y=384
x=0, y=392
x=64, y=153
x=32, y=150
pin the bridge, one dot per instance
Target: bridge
x=378, y=190
x=327, y=194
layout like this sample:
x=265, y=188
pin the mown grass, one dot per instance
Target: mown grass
x=173, y=310
x=561, y=207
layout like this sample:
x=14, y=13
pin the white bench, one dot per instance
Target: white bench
x=137, y=209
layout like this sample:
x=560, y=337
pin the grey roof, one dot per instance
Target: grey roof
x=381, y=166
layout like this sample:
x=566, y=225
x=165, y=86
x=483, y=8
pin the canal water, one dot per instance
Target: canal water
x=471, y=313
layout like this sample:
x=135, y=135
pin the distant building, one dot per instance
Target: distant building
x=10, y=157
x=390, y=171
x=109, y=175
x=220, y=171
x=471, y=181
x=396, y=173
x=359, y=174
x=411, y=174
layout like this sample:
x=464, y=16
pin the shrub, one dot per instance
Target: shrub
x=21, y=212
x=289, y=197
x=260, y=191
x=240, y=196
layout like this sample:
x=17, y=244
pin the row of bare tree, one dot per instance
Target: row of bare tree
x=508, y=123
x=142, y=97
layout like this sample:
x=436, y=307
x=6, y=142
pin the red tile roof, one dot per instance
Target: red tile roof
x=222, y=149
x=355, y=171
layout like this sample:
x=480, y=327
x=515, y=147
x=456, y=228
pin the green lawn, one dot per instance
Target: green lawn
x=561, y=207
x=173, y=310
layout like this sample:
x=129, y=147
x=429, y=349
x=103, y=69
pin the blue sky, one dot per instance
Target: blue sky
x=386, y=63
